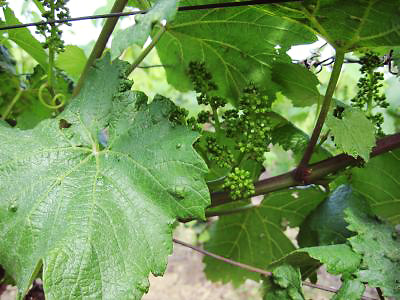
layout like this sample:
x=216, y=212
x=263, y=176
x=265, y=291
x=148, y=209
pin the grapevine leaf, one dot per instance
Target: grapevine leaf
x=255, y=237
x=237, y=44
x=23, y=38
x=140, y=31
x=354, y=133
x=72, y=61
x=297, y=83
x=284, y=284
x=338, y=259
x=98, y=218
x=327, y=222
x=379, y=183
x=351, y=289
x=348, y=24
x=379, y=246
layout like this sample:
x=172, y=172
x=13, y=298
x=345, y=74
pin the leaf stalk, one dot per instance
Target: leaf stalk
x=147, y=50
x=299, y=174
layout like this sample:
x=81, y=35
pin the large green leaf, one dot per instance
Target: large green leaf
x=72, y=61
x=93, y=194
x=379, y=246
x=138, y=33
x=379, y=183
x=236, y=44
x=255, y=237
x=348, y=24
x=23, y=38
x=353, y=132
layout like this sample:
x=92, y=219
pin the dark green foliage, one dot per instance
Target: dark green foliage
x=378, y=182
x=326, y=225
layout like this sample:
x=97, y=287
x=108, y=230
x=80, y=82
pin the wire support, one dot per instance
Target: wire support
x=140, y=12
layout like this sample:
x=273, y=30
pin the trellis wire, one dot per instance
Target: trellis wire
x=123, y=14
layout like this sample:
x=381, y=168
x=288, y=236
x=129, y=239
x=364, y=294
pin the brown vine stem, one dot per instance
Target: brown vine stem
x=317, y=171
x=101, y=42
x=337, y=67
x=254, y=269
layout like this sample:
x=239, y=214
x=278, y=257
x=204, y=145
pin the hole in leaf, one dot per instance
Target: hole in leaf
x=11, y=122
x=64, y=124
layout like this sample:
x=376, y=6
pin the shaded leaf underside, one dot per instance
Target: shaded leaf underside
x=237, y=44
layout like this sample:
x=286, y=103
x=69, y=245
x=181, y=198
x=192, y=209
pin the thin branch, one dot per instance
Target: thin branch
x=322, y=115
x=115, y=14
x=100, y=43
x=332, y=290
x=224, y=259
x=380, y=293
x=317, y=171
x=146, y=51
x=253, y=269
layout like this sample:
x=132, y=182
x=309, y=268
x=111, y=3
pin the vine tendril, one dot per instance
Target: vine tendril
x=53, y=103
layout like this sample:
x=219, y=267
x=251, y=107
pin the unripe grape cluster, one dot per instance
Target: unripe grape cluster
x=239, y=184
x=253, y=124
x=204, y=85
x=241, y=133
x=53, y=9
x=220, y=154
x=179, y=115
x=368, y=95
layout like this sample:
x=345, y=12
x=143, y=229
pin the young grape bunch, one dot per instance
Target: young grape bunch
x=234, y=135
